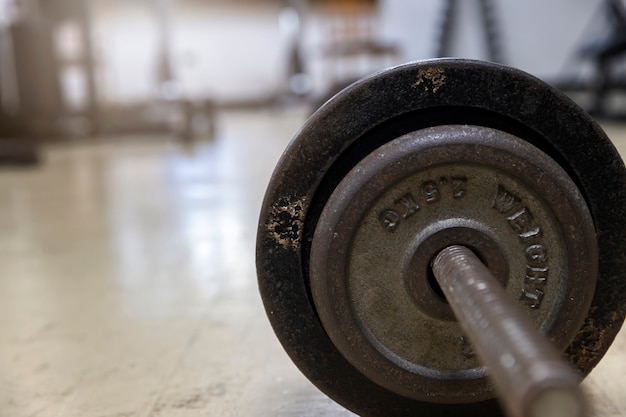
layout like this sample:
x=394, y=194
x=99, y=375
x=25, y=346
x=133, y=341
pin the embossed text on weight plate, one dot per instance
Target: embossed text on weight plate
x=430, y=192
x=522, y=222
x=518, y=216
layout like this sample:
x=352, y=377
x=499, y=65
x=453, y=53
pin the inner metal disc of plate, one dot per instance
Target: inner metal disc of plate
x=453, y=184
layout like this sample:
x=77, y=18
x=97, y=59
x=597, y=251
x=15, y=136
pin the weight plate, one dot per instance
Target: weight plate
x=381, y=108
x=414, y=196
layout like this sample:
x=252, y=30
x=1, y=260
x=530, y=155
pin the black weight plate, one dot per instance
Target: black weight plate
x=381, y=108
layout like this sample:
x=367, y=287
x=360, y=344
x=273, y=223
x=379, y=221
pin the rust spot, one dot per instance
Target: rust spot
x=590, y=343
x=285, y=222
x=430, y=79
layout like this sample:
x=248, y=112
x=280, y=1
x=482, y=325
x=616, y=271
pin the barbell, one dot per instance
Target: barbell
x=446, y=238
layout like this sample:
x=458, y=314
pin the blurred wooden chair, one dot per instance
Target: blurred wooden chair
x=351, y=43
x=352, y=28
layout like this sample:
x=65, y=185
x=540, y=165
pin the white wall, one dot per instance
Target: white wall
x=237, y=51
x=539, y=36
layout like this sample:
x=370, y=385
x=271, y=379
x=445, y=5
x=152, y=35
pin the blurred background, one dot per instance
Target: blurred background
x=136, y=141
x=79, y=68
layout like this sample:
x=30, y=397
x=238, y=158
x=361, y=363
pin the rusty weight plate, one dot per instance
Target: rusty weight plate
x=400, y=206
x=384, y=107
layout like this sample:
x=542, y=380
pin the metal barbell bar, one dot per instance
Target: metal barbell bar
x=528, y=372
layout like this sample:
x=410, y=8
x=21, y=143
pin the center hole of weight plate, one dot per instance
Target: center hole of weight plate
x=419, y=277
x=434, y=284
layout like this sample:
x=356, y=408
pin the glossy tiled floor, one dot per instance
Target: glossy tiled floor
x=127, y=283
